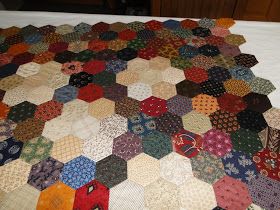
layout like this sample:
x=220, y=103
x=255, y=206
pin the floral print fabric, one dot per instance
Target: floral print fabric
x=140, y=115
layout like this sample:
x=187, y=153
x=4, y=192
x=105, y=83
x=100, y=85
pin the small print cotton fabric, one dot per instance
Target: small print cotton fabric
x=140, y=115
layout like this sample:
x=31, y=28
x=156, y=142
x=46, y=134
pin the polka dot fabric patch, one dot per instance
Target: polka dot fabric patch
x=216, y=142
x=205, y=104
x=139, y=115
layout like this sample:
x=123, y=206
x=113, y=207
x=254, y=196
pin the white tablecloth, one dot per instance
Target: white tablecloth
x=263, y=38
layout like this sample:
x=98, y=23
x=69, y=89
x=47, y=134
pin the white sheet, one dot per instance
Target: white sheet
x=263, y=38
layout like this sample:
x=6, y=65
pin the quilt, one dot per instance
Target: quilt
x=123, y=116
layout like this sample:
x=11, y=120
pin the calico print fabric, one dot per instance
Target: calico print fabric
x=135, y=116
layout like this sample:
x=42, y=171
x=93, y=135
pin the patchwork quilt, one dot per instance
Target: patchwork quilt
x=130, y=116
